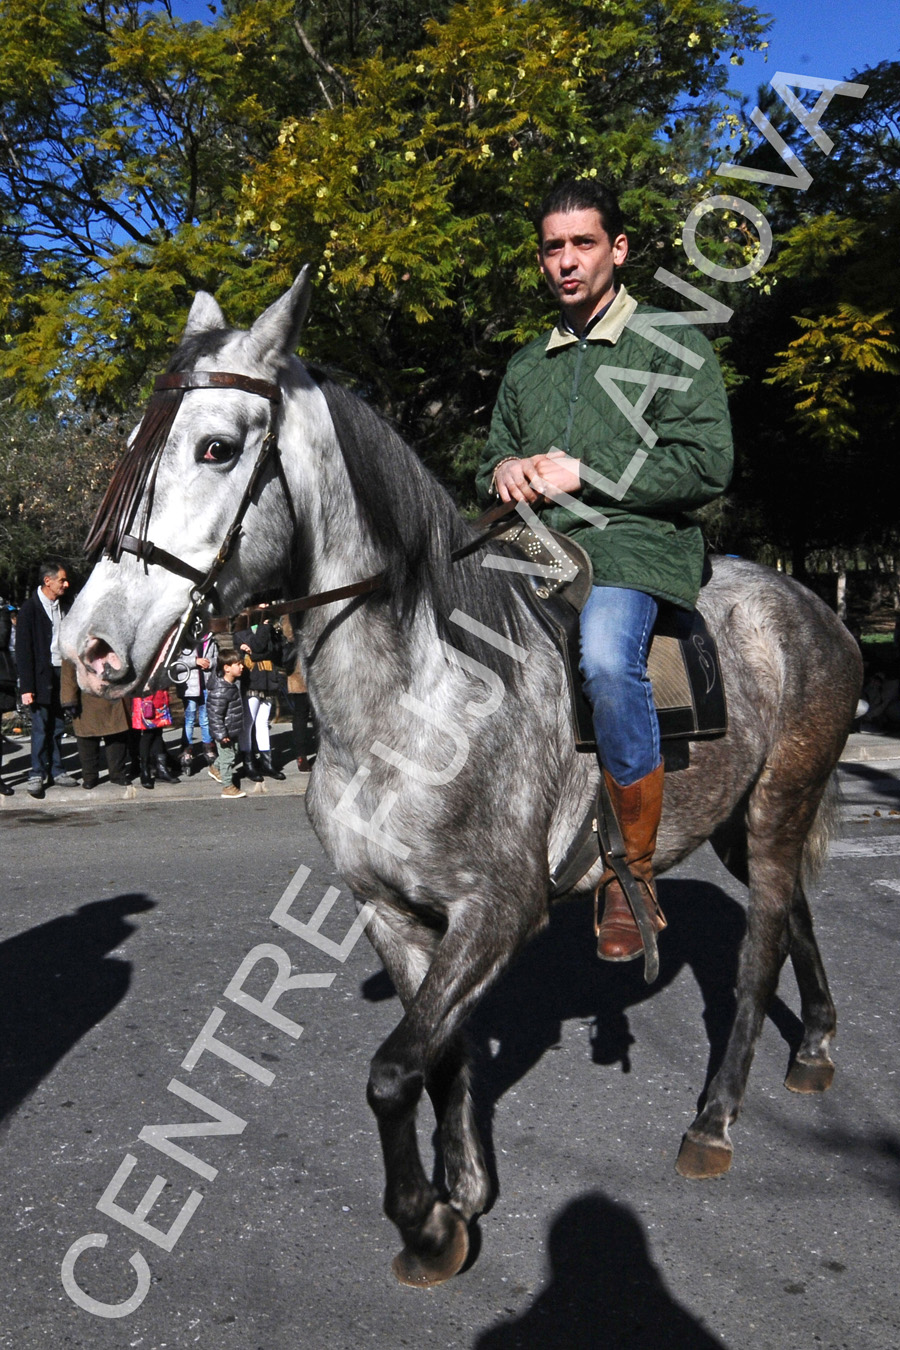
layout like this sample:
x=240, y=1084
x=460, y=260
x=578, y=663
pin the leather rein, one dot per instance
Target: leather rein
x=108, y=529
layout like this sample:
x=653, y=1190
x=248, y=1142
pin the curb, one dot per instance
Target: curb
x=865, y=746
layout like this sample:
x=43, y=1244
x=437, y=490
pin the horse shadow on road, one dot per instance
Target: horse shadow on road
x=58, y=982
x=558, y=978
x=603, y=1290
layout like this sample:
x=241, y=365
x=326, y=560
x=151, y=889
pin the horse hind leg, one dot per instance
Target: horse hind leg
x=812, y=1069
x=779, y=818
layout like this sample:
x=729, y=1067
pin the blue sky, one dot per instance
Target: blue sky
x=827, y=38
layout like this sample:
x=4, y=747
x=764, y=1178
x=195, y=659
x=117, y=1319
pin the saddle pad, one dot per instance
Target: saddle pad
x=683, y=666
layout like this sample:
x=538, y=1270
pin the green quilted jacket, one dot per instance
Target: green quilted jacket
x=652, y=426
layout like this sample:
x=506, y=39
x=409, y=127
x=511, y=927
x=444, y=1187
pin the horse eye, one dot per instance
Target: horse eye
x=219, y=452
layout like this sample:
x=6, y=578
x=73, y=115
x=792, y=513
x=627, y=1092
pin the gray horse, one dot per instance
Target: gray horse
x=447, y=786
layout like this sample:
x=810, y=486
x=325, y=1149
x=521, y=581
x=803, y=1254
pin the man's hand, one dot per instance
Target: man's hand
x=538, y=477
x=511, y=479
x=554, y=473
x=27, y=700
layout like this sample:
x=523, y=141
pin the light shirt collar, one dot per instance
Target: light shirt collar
x=608, y=326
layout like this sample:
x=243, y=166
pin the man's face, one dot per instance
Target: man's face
x=55, y=586
x=578, y=261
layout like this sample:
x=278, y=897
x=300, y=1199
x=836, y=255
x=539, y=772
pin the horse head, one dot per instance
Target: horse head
x=203, y=464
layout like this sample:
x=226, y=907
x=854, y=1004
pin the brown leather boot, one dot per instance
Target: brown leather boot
x=638, y=808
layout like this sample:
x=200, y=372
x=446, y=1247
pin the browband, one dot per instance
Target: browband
x=215, y=379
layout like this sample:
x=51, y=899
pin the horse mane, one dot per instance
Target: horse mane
x=416, y=526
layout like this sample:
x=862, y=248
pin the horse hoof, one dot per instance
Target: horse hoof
x=810, y=1076
x=446, y=1240
x=697, y=1161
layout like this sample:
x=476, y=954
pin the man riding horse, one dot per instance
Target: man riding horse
x=566, y=422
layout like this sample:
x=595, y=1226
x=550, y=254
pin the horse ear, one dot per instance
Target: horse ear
x=204, y=315
x=277, y=330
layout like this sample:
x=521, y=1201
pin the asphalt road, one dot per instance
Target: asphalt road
x=123, y=925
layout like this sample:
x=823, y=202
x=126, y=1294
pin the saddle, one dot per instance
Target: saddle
x=683, y=662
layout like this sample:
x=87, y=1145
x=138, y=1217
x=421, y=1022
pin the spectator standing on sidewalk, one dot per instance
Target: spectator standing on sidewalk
x=96, y=719
x=225, y=709
x=38, y=663
x=150, y=714
x=7, y=682
x=262, y=652
x=199, y=661
x=304, y=734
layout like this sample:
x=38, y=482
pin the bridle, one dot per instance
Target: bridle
x=134, y=480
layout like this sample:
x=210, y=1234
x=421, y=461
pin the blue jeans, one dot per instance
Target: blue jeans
x=47, y=729
x=196, y=708
x=616, y=625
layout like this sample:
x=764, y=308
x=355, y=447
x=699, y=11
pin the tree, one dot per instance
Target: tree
x=53, y=470
x=816, y=341
x=415, y=197
x=123, y=135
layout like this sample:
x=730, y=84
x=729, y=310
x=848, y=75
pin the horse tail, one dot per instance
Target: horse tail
x=823, y=829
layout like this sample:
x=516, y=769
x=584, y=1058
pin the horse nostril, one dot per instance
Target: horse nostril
x=100, y=657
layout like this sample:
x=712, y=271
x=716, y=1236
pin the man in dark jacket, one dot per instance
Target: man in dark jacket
x=616, y=468
x=38, y=665
x=7, y=681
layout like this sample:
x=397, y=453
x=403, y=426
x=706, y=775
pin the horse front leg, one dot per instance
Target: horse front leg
x=407, y=958
x=465, y=1168
x=422, y=1051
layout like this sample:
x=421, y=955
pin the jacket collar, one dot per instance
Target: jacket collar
x=609, y=329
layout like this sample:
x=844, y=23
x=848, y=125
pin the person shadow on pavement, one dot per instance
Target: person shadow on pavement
x=58, y=982
x=604, y=1292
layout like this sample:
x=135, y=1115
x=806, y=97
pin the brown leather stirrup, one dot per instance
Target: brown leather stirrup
x=637, y=809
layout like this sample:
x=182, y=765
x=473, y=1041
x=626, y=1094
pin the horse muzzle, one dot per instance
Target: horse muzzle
x=102, y=670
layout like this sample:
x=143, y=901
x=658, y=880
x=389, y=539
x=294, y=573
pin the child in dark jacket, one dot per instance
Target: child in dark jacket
x=225, y=709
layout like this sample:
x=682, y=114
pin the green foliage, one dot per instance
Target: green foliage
x=416, y=197
x=815, y=338
x=818, y=368
x=125, y=134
